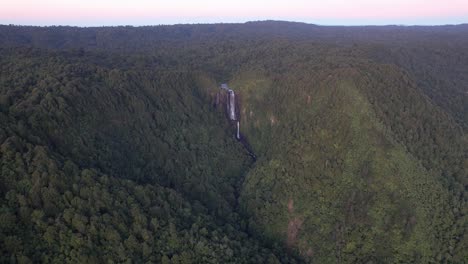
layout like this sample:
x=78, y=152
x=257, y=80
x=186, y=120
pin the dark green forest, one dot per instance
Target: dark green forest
x=111, y=150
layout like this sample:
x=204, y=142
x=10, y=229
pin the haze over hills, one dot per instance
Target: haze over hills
x=111, y=149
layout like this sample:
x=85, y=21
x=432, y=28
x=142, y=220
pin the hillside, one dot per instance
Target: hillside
x=111, y=149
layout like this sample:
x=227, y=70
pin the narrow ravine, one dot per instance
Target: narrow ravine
x=233, y=115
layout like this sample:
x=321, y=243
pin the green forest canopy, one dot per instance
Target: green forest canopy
x=111, y=150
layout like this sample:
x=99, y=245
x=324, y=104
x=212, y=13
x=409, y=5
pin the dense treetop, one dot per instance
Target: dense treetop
x=111, y=149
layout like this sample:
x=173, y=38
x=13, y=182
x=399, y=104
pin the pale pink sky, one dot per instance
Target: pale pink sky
x=147, y=12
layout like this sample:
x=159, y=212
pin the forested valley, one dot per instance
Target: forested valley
x=111, y=150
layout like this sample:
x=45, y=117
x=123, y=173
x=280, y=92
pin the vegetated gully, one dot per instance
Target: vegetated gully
x=228, y=97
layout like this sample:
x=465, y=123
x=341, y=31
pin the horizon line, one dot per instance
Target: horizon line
x=45, y=25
